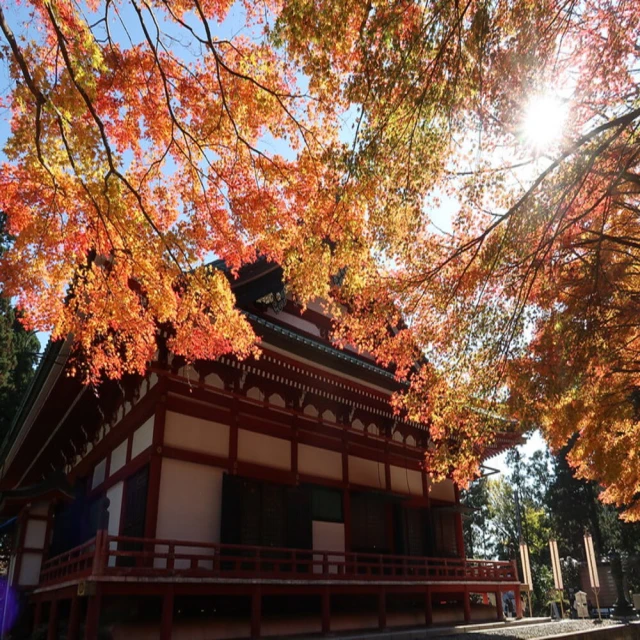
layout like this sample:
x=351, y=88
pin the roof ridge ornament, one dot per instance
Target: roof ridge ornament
x=276, y=299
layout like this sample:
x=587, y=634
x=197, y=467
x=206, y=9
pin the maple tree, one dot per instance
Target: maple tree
x=149, y=135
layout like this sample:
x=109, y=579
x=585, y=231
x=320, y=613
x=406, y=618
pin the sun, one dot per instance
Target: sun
x=544, y=121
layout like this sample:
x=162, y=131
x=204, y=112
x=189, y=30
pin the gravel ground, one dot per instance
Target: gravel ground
x=526, y=632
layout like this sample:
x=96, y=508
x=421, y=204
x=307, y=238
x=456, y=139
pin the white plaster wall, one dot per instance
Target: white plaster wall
x=366, y=472
x=189, y=507
x=35, y=534
x=214, y=380
x=142, y=437
x=318, y=462
x=189, y=373
x=30, y=569
x=268, y=451
x=310, y=410
x=99, y=473
x=115, y=507
x=196, y=434
x=255, y=394
x=118, y=457
x=276, y=400
x=443, y=490
x=406, y=480
x=328, y=536
x=329, y=416
x=373, y=429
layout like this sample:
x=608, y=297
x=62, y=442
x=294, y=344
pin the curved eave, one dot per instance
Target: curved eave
x=56, y=486
x=49, y=371
x=261, y=278
x=338, y=358
x=503, y=442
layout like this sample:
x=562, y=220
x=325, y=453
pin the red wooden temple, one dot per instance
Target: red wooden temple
x=235, y=499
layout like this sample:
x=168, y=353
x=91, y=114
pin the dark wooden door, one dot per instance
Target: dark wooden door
x=368, y=523
x=444, y=534
x=251, y=528
x=135, y=505
x=134, y=516
x=231, y=515
x=415, y=532
x=274, y=514
x=299, y=518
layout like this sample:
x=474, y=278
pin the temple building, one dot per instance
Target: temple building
x=235, y=499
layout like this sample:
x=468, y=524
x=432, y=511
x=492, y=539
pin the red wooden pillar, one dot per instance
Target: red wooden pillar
x=466, y=601
x=52, y=626
x=151, y=514
x=428, y=608
x=326, y=611
x=233, y=437
x=256, y=613
x=382, y=609
x=346, y=507
x=74, y=618
x=518, y=602
x=49, y=530
x=92, y=622
x=155, y=466
x=425, y=488
x=499, y=611
x=459, y=530
x=346, y=501
x=37, y=614
x=387, y=467
x=19, y=549
x=294, y=447
x=100, y=555
x=167, y=614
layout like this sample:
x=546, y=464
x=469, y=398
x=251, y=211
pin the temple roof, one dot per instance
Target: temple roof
x=261, y=296
x=55, y=486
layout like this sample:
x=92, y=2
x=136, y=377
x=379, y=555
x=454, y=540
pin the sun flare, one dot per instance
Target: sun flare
x=544, y=121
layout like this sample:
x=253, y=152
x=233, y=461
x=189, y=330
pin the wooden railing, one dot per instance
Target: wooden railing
x=77, y=562
x=121, y=555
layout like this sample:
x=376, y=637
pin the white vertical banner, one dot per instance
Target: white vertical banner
x=594, y=579
x=555, y=565
x=526, y=566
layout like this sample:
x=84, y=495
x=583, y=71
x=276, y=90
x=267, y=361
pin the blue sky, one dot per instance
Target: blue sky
x=535, y=442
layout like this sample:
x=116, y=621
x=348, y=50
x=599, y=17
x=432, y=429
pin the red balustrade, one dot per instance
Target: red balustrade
x=77, y=563
x=121, y=555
